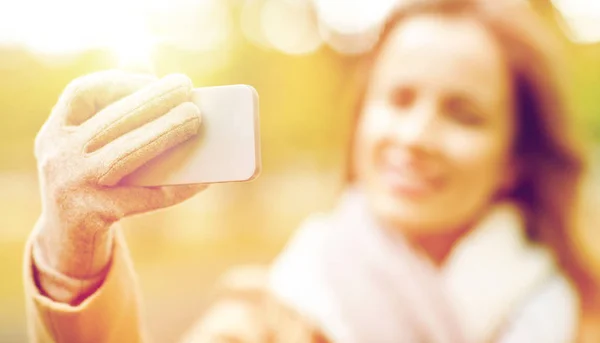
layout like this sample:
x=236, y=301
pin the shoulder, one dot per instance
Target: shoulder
x=244, y=310
x=551, y=314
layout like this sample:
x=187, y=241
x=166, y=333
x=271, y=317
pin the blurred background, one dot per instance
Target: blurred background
x=299, y=54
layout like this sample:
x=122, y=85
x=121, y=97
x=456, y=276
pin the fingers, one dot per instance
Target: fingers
x=82, y=98
x=135, y=110
x=130, y=151
x=85, y=96
x=134, y=200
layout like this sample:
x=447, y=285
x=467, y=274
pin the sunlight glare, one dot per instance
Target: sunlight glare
x=61, y=27
x=353, y=16
x=582, y=19
x=290, y=27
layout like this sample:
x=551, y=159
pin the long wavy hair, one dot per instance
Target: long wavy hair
x=550, y=158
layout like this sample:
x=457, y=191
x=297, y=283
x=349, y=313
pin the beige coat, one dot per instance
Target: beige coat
x=244, y=312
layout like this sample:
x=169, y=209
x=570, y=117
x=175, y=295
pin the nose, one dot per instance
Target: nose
x=416, y=128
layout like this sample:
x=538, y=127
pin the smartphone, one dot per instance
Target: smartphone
x=226, y=149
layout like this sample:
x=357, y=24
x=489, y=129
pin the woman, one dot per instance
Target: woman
x=454, y=227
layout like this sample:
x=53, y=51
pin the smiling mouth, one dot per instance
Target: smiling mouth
x=405, y=179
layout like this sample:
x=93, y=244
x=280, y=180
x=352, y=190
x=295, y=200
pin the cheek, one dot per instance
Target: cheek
x=370, y=132
x=479, y=163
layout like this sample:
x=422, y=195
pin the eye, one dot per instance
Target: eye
x=464, y=113
x=403, y=97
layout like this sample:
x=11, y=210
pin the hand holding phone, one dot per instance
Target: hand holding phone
x=103, y=127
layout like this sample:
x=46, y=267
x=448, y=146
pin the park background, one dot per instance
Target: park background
x=299, y=54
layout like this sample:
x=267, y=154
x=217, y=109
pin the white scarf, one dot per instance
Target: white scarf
x=362, y=285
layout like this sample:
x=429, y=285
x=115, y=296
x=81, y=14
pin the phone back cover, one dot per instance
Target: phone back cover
x=226, y=149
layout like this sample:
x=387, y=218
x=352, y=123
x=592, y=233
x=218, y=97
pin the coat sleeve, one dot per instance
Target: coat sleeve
x=110, y=314
x=242, y=310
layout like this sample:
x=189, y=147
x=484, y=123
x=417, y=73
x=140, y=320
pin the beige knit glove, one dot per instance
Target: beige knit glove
x=104, y=126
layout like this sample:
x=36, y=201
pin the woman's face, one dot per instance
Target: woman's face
x=434, y=139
